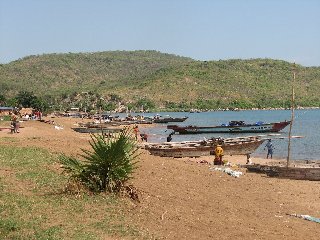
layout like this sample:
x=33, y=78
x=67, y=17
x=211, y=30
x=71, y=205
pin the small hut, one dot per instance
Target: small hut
x=4, y=111
x=26, y=112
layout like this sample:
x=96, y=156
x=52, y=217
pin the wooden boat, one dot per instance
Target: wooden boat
x=96, y=130
x=232, y=127
x=231, y=146
x=299, y=171
x=103, y=124
x=169, y=119
x=97, y=125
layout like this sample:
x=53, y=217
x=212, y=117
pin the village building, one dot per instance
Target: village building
x=4, y=111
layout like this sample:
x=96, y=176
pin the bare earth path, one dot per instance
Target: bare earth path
x=184, y=199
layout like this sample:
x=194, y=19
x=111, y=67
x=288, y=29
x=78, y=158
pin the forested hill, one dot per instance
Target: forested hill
x=161, y=80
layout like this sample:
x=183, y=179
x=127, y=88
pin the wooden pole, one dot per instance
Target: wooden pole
x=292, y=114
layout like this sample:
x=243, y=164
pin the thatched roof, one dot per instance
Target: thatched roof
x=25, y=111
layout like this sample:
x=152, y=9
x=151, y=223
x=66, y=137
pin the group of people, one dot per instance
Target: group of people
x=36, y=115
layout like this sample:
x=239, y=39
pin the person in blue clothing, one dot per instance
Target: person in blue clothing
x=169, y=138
x=270, y=148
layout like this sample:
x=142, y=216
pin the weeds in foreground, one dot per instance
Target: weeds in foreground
x=32, y=205
x=107, y=167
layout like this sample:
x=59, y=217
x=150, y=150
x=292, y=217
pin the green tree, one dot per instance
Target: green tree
x=25, y=98
x=109, y=106
x=12, y=102
x=40, y=104
x=145, y=103
x=28, y=99
x=108, y=166
x=2, y=100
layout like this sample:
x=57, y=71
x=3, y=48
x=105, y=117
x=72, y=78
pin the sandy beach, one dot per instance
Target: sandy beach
x=184, y=199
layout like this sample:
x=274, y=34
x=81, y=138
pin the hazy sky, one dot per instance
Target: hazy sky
x=200, y=29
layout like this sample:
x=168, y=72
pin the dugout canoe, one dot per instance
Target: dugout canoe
x=231, y=146
x=169, y=119
x=96, y=130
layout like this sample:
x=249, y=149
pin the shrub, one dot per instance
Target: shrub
x=107, y=167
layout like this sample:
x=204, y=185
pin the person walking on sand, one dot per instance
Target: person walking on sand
x=270, y=148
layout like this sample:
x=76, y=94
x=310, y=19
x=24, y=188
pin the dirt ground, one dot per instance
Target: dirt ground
x=185, y=199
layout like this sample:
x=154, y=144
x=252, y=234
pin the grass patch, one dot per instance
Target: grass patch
x=5, y=120
x=8, y=139
x=7, y=226
x=33, y=204
x=48, y=234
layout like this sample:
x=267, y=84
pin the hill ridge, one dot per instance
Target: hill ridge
x=165, y=80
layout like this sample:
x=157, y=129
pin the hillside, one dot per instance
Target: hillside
x=164, y=80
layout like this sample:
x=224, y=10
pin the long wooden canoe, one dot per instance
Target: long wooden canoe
x=309, y=172
x=231, y=128
x=234, y=146
x=96, y=130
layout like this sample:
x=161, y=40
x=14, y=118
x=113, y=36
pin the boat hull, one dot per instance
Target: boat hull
x=196, y=150
x=170, y=119
x=311, y=173
x=96, y=130
x=250, y=128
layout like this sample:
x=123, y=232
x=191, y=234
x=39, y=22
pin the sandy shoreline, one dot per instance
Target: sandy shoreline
x=184, y=199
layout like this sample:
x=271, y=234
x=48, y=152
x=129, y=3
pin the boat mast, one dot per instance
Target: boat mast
x=292, y=114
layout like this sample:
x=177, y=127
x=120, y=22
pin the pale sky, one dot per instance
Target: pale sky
x=201, y=29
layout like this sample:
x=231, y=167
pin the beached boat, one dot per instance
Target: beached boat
x=231, y=146
x=300, y=171
x=232, y=127
x=96, y=130
x=98, y=124
x=169, y=119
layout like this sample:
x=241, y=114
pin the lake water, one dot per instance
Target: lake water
x=306, y=123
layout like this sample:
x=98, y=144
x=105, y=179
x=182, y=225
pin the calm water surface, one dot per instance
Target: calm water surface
x=306, y=124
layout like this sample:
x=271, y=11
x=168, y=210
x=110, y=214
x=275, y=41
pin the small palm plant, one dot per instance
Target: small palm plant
x=107, y=166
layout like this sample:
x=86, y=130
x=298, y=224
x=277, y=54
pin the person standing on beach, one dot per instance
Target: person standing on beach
x=12, y=127
x=13, y=123
x=17, y=130
x=136, y=132
x=248, y=159
x=270, y=148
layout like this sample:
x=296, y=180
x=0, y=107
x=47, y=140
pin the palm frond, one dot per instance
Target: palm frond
x=108, y=165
